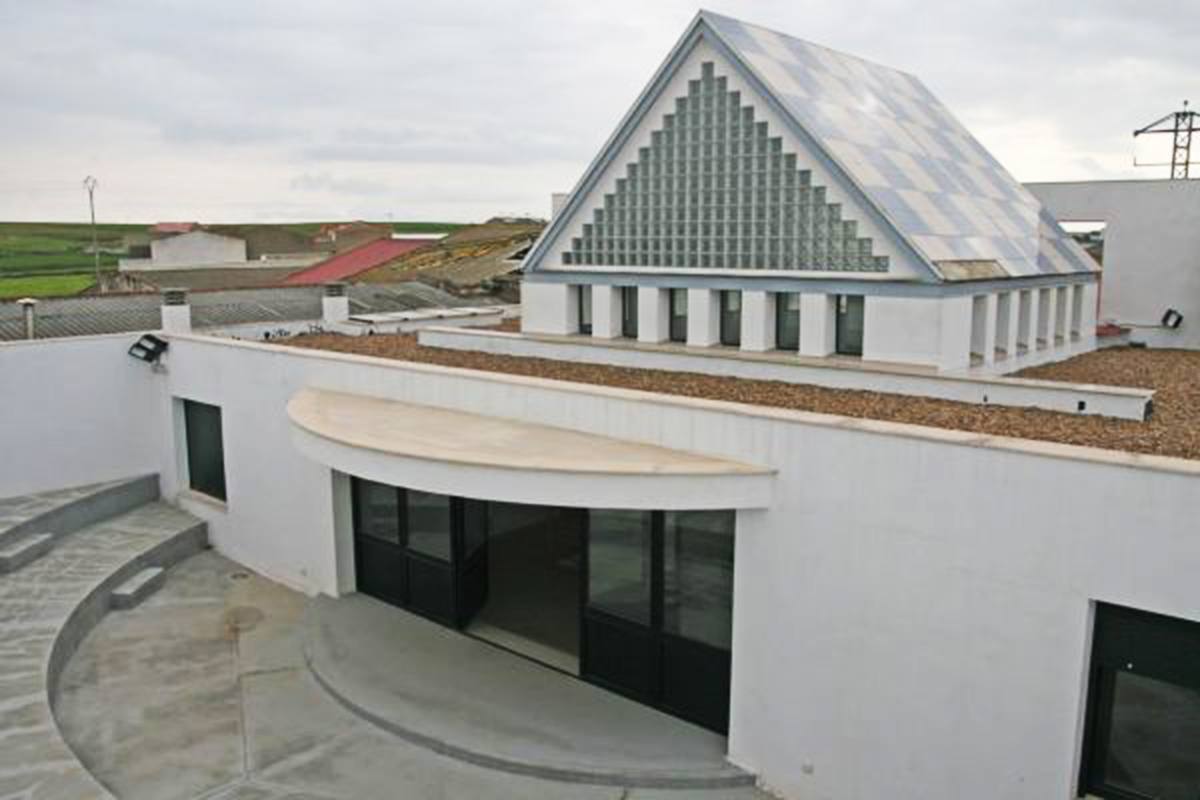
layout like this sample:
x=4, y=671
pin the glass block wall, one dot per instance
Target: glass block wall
x=713, y=188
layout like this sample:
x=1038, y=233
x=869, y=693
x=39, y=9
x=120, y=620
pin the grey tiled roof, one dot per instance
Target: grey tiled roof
x=92, y=315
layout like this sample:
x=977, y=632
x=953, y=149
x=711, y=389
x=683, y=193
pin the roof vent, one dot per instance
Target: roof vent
x=174, y=297
x=335, y=289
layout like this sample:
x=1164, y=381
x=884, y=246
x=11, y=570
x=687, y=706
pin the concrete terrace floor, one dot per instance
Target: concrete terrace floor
x=202, y=693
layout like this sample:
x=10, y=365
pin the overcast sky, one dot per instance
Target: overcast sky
x=244, y=110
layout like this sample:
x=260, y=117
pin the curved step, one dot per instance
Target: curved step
x=469, y=700
x=63, y=511
x=47, y=608
x=16, y=552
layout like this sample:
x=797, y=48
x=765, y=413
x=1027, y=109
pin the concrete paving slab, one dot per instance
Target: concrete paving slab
x=160, y=678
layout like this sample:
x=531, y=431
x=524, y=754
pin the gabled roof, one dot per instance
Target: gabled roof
x=894, y=146
x=349, y=263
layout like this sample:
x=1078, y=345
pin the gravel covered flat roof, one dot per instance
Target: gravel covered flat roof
x=1172, y=430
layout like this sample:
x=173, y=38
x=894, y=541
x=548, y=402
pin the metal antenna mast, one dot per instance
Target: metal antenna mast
x=89, y=183
x=1181, y=125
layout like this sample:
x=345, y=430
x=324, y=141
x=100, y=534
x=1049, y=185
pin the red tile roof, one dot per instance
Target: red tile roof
x=173, y=227
x=352, y=262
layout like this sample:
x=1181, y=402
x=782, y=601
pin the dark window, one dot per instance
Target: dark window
x=731, y=318
x=1143, y=726
x=584, y=297
x=698, y=576
x=629, y=312
x=619, y=563
x=679, y=311
x=787, y=321
x=849, y=324
x=205, y=450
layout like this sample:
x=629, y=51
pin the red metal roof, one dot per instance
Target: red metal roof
x=352, y=262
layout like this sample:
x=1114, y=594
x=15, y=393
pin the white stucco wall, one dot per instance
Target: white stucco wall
x=196, y=248
x=76, y=411
x=910, y=616
x=1151, y=250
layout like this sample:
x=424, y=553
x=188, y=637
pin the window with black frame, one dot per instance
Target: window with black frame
x=583, y=295
x=629, y=312
x=205, y=448
x=677, y=328
x=787, y=321
x=731, y=318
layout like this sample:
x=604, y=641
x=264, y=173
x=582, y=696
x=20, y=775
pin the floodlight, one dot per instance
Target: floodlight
x=149, y=348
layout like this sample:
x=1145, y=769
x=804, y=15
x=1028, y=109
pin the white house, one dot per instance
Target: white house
x=767, y=193
x=196, y=247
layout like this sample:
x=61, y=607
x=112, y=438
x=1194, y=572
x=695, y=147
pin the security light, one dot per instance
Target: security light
x=1172, y=319
x=149, y=348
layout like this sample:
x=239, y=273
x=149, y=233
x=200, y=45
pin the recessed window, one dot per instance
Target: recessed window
x=629, y=312
x=679, y=312
x=787, y=321
x=849, y=330
x=731, y=318
x=584, y=298
x=205, y=448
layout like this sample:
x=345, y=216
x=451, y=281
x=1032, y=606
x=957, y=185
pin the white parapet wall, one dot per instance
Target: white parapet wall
x=1073, y=398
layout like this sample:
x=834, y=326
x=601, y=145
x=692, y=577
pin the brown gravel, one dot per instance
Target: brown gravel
x=1174, y=429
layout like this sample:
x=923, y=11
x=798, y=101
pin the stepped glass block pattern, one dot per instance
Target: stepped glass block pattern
x=714, y=189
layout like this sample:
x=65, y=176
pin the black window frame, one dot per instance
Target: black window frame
x=677, y=323
x=787, y=322
x=844, y=344
x=629, y=312
x=202, y=445
x=730, y=321
x=583, y=308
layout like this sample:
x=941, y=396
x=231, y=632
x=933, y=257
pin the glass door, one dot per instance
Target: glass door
x=787, y=321
x=471, y=561
x=658, y=609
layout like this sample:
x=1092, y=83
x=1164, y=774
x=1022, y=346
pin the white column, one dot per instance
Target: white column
x=606, y=312
x=704, y=322
x=1007, y=319
x=653, y=314
x=989, y=328
x=817, y=321
x=1062, y=310
x=549, y=308
x=758, y=321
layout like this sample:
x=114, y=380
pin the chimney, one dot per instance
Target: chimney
x=176, y=313
x=27, y=305
x=335, y=305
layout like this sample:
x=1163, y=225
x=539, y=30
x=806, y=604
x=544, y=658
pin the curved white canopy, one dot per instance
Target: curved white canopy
x=472, y=455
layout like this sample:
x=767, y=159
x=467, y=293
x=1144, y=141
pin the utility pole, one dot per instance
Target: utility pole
x=89, y=183
x=1180, y=125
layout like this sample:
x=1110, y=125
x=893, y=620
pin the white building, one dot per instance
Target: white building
x=1151, y=233
x=767, y=193
x=196, y=248
x=865, y=609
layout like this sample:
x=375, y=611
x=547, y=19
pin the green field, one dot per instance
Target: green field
x=42, y=259
x=43, y=286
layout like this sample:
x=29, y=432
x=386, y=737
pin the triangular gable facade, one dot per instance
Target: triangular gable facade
x=750, y=150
